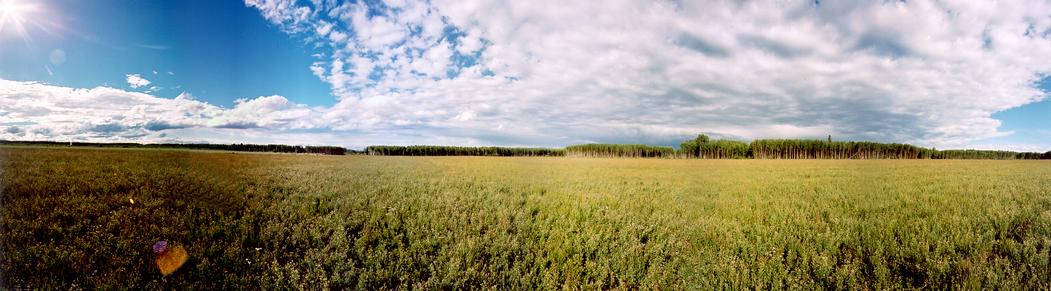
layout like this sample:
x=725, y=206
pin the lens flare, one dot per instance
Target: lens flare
x=13, y=15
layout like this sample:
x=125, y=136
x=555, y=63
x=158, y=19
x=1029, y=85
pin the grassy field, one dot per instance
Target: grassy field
x=276, y=221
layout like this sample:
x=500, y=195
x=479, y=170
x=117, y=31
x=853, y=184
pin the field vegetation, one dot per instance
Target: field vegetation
x=87, y=218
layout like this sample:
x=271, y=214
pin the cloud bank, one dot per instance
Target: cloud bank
x=923, y=72
x=34, y=111
x=550, y=73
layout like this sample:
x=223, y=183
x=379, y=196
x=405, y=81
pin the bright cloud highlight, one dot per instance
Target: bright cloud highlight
x=136, y=81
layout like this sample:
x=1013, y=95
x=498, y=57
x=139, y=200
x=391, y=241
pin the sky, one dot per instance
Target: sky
x=944, y=74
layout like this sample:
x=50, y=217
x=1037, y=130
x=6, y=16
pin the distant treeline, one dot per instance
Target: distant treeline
x=270, y=148
x=819, y=149
x=702, y=147
x=421, y=150
x=600, y=150
x=699, y=147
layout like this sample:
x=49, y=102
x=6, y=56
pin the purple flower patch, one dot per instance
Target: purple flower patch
x=160, y=247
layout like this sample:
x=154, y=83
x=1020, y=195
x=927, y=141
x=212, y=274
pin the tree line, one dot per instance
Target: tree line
x=424, y=150
x=703, y=147
x=700, y=147
x=989, y=155
x=602, y=150
x=819, y=149
x=270, y=148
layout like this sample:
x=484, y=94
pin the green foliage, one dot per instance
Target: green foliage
x=66, y=217
x=252, y=221
x=423, y=150
x=701, y=139
x=689, y=149
x=819, y=149
x=599, y=150
x=983, y=154
x=718, y=149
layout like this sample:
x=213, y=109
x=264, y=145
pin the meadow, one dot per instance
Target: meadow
x=75, y=218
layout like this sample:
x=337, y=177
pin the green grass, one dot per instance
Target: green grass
x=276, y=221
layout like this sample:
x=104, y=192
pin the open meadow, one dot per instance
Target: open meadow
x=86, y=218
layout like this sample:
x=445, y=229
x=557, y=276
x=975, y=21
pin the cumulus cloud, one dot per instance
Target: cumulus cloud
x=927, y=72
x=35, y=111
x=136, y=81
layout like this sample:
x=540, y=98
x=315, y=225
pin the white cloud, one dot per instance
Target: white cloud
x=286, y=13
x=46, y=112
x=931, y=73
x=471, y=42
x=550, y=73
x=136, y=81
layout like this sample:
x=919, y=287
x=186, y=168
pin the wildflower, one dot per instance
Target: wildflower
x=160, y=247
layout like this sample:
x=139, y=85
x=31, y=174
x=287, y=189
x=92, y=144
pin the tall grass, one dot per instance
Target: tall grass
x=288, y=221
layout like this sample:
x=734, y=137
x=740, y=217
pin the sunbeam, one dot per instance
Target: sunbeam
x=13, y=15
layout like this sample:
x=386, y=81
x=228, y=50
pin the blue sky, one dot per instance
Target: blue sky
x=944, y=74
x=1030, y=123
x=218, y=51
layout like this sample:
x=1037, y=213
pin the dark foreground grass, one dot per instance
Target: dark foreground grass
x=295, y=221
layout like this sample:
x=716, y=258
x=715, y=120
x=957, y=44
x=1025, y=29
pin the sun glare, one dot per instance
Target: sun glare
x=13, y=17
